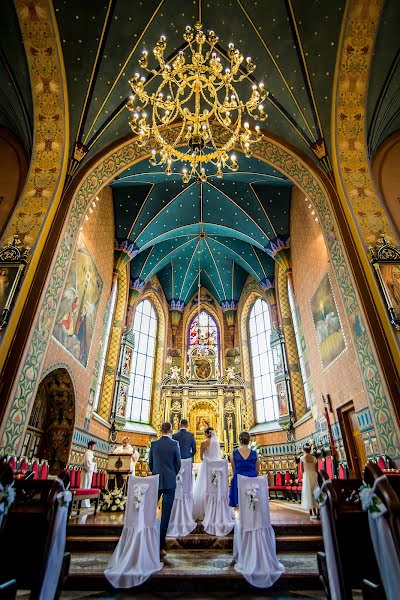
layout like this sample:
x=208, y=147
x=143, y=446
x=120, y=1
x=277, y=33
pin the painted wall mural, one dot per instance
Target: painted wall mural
x=328, y=329
x=76, y=316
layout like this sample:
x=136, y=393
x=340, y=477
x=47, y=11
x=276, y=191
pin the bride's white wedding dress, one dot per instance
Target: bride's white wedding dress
x=213, y=452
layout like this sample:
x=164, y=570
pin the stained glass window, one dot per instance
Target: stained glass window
x=265, y=395
x=203, y=332
x=142, y=365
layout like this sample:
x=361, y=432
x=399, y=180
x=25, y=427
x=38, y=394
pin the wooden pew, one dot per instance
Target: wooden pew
x=345, y=524
x=27, y=535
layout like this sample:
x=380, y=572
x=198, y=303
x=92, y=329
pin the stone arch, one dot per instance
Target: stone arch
x=306, y=176
x=57, y=390
x=13, y=171
x=385, y=171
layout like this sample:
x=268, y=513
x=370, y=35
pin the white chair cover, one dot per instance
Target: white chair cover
x=137, y=555
x=57, y=546
x=181, y=522
x=331, y=561
x=254, y=547
x=218, y=518
x=384, y=546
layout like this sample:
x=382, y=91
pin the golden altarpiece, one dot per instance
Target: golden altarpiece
x=204, y=398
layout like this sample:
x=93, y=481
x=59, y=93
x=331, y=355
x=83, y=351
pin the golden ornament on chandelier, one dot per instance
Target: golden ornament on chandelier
x=198, y=96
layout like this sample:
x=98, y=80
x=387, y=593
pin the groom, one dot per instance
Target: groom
x=186, y=440
x=165, y=461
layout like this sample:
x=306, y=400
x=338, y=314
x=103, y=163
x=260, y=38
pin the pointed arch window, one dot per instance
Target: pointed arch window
x=260, y=330
x=142, y=365
x=203, y=332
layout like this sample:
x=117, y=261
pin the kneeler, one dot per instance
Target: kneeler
x=137, y=555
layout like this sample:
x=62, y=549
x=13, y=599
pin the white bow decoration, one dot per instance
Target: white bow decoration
x=139, y=492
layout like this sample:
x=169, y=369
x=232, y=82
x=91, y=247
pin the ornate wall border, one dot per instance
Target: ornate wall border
x=269, y=150
x=40, y=197
x=365, y=212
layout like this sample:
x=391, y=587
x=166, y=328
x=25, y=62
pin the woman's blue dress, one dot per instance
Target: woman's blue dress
x=243, y=466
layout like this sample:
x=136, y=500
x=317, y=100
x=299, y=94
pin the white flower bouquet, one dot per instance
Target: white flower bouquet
x=371, y=502
x=139, y=492
x=113, y=500
x=215, y=477
x=179, y=479
x=252, y=493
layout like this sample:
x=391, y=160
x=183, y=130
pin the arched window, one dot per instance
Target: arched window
x=265, y=394
x=106, y=340
x=300, y=343
x=142, y=365
x=203, y=332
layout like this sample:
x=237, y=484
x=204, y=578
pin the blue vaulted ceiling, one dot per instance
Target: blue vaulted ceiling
x=219, y=228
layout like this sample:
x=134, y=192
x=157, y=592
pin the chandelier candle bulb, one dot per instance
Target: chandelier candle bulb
x=201, y=119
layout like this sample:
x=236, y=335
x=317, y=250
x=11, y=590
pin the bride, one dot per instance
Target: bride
x=209, y=450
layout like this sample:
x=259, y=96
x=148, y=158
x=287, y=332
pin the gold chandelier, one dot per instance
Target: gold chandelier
x=198, y=97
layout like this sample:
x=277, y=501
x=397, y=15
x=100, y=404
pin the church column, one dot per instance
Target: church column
x=175, y=308
x=37, y=207
x=135, y=289
x=363, y=208
x=229, y=308
x=279, y=250
x=124, y=251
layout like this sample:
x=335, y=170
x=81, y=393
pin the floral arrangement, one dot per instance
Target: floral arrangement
x=370, y=501
x=252, y=493
x=215, y=477
x=139, y=492
x=114, y=500
x=7, y=497
x=253, y=446
x=179, y=479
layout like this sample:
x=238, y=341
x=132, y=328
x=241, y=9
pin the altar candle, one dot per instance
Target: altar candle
x=225, y=442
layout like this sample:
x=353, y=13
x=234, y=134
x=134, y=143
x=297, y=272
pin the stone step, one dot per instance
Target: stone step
x=85, y=543
x=195, y=571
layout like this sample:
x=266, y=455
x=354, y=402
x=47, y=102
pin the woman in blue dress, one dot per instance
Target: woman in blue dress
x=244, y=461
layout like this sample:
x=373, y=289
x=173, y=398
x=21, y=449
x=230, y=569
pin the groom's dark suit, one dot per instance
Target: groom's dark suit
x=165, y=461
x=187, y=443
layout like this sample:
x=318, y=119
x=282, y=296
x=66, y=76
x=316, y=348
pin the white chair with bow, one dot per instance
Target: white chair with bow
x=137, y=555
x=254, y=547
x=181, y=522
x=218, y=517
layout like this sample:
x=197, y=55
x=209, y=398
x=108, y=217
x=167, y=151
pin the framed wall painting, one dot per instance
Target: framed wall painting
x=328, y=328
x=76, y=318
x=13, y=260
x=386, y=263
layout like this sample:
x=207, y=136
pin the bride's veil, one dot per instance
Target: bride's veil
x=214, y=450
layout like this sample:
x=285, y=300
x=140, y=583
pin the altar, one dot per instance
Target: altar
x=206, y=399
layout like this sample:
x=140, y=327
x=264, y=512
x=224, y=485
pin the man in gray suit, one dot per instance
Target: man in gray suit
x=165, y=461
x=186, y=440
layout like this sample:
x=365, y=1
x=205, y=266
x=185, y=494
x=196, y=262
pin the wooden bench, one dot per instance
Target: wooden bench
x=26, y=537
